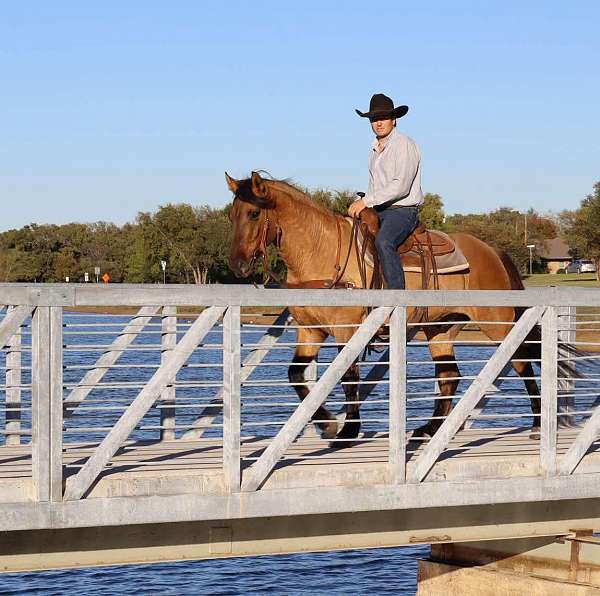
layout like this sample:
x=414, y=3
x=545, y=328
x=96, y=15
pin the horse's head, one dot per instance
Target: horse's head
x=253, y=230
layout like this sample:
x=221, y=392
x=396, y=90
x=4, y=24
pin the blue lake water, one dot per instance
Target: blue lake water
x=360, y=571
x=373, y=571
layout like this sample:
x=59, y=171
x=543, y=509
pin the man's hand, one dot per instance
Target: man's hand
x=356, y=207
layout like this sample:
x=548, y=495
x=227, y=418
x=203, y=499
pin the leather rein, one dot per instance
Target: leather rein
x=337, y=281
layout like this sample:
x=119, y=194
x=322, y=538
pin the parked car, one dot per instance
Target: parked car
x=581, y=266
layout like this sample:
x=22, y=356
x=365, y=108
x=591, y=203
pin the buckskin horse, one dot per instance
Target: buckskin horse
x=313, y=241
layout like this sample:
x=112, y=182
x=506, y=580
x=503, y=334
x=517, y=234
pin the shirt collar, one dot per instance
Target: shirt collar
x=374, y=144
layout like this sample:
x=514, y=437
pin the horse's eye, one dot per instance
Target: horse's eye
x=254, y=215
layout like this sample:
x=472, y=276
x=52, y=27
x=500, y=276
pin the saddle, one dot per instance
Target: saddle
x=428, y=252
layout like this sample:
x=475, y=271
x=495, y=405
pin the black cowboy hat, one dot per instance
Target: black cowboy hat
x=382, y=108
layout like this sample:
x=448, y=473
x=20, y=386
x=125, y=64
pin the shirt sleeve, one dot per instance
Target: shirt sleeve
x=404, y=164
x=370, y=186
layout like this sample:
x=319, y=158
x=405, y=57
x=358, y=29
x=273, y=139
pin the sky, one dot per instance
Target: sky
x=111, y=108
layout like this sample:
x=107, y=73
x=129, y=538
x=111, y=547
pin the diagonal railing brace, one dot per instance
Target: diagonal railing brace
x=214, y=409
x=79, y=484
x=110, y=357
x=11, y=323
x=474, y=393
x=318, y=394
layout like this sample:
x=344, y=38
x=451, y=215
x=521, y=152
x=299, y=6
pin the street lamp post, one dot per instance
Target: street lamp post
x=163, y=266
x=530, y=247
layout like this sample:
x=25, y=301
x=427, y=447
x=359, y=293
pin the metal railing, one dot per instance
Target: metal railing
x=87, y=394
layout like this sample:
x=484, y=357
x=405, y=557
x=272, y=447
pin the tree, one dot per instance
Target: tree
x=582, y=227
x=7, y=264
x=194, y=241
x=508, y=230
x=336, y=200
x=431, y=212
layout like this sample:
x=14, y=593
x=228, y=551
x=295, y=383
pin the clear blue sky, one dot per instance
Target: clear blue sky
x=110, y=108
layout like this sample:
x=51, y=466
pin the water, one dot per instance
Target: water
x=380, y=571
x=372, y=571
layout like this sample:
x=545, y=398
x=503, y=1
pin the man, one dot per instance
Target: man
x=394, y=185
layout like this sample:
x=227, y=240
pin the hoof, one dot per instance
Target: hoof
x=350, y=430
x=534, y=433
x=329, y=430
x=424, y=431
x=568, y=423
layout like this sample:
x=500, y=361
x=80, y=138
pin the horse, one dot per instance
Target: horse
x=310, y=239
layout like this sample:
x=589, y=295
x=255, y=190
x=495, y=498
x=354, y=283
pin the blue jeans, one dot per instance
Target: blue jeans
x=396, y=226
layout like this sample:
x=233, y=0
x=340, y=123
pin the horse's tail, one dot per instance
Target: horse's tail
x=533, y=346
x=533, y=341
x=511, y=269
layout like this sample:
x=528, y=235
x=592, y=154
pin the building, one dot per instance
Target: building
x=554, y=254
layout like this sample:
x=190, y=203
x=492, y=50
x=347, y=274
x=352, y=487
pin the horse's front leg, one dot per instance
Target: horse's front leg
x=304, y=355
x=350, y=384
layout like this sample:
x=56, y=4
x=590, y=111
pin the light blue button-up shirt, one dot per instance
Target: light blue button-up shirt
x=395, y=173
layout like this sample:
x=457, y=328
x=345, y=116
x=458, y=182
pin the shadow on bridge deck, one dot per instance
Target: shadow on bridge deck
x=176, y=467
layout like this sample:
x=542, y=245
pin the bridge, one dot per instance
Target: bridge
x=153, y=423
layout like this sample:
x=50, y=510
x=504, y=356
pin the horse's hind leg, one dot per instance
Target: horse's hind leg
x=523, y=369
x=303, y=356
x=447, y=372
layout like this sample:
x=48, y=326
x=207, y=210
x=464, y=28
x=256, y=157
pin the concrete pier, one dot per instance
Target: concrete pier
x=566, y=566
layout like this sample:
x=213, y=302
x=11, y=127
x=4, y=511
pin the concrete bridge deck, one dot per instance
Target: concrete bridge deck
x=195, y=467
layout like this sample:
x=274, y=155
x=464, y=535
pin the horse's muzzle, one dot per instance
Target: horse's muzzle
x=241, y=268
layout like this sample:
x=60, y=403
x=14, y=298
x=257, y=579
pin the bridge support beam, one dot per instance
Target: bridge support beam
x=551, y=566
x=22, y=550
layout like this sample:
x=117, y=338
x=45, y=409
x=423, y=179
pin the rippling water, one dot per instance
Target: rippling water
x=377, y=571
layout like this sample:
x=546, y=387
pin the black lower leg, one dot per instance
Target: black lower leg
x=327, y=422
x=448, y=383
x=351, y=426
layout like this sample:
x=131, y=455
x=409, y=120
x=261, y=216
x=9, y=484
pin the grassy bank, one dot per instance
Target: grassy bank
x=570, y=279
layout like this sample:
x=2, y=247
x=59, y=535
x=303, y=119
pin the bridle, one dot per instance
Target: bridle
x=261, y=249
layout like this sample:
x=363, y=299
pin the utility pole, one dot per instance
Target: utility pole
x=525, y=230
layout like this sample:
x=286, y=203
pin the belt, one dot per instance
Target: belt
x=382, y=208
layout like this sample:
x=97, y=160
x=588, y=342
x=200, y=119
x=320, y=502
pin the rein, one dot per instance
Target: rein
x=336, y=281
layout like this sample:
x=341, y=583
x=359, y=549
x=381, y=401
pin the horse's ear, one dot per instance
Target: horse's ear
x=259, y=188
x=232, y=183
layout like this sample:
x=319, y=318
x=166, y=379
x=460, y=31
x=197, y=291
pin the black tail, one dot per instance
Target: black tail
x=533, y=347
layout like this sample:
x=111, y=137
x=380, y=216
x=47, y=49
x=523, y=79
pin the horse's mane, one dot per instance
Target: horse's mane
x=286, y=185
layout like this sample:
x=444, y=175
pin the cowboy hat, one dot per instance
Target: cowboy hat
x=382, y=107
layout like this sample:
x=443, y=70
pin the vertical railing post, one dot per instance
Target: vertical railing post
x=168, y=396
x=56, y=403
x=14, y=379
x=567, y=320
x=46, y=402
x=231, y=399
x=397, y=391
x=549, y=381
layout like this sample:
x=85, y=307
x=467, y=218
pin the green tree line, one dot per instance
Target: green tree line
x=194, y=240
